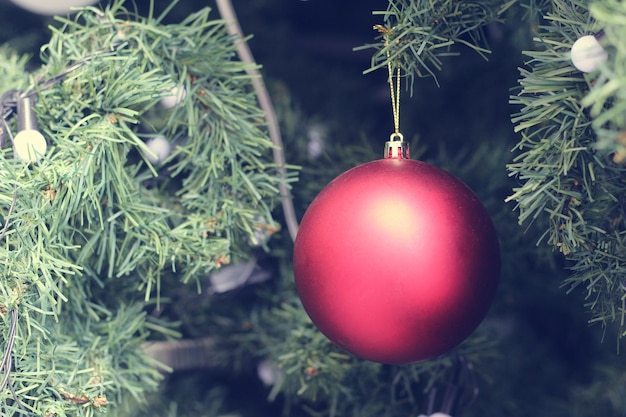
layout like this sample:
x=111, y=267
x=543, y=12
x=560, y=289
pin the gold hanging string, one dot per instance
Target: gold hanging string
x=395, y=97
x=393, y=89
x=395, y=148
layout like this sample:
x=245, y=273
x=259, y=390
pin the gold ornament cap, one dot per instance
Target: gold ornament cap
x=396, y=147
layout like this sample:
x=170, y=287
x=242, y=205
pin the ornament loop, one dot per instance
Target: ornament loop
x=396, y=136
x=396, y=147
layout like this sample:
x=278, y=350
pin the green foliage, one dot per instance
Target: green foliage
x=606, y=99
x=565, y=171
x=606, y=392
x=417, y=33
x=320, y=378
x=94, y=229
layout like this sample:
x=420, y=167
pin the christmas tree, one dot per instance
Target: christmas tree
x=152, y=190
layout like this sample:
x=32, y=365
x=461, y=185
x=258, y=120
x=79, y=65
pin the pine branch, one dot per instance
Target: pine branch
x=94, y=229
x=606, y=99
x=317, y=375
x=565, y=177
x=419, y=32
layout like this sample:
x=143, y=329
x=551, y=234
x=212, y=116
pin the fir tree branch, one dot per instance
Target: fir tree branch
x=606, y=99
x=7, y=130
x=96, y=230
x=566, y=180
x=420, y=32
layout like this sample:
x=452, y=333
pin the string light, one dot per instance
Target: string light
x=587, y=54
x=29, y=144
x=51, y=7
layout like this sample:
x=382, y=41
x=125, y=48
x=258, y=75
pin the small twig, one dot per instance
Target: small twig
x=6, y=360
x=9, y=213
x=45, y=83
x=7, y=105
x=16, y=398
x=245, y=55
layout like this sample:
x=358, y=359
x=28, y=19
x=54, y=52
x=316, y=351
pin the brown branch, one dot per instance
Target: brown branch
x=227, y=12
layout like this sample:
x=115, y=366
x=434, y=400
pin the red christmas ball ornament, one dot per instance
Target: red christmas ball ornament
x=396, y=260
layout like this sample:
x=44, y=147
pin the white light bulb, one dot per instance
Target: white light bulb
x=160, y=149
x=315, y=146
x=52, y=7
x=176, y=95
x=587, y=54
x=268, y=372
x=30, y=145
